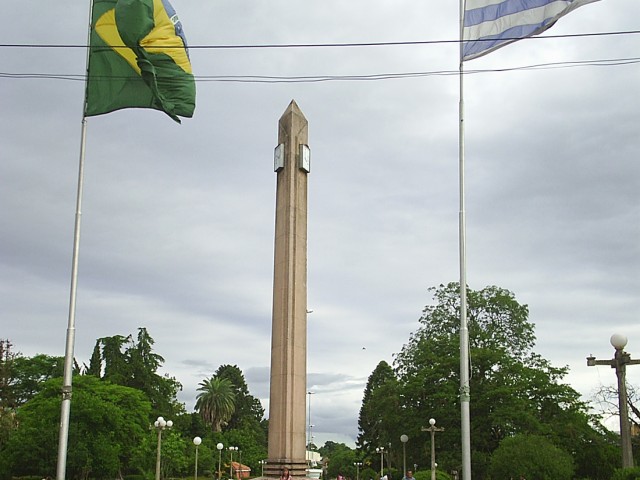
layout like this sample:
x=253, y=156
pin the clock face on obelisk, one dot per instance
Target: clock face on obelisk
x=278, y=158
x=305, y=158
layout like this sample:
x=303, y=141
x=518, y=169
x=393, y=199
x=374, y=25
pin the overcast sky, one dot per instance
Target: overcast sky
x=178, y=220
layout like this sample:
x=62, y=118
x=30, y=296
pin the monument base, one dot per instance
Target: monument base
x=297, y=468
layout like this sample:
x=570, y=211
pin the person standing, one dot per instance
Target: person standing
x=409, y=475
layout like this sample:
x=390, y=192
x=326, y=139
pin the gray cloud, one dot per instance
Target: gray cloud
x=177, y=224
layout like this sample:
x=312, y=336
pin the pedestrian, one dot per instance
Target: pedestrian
x=285, y=475
x=409, y=475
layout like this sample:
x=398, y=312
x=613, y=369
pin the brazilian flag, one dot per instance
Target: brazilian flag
x=138, y=58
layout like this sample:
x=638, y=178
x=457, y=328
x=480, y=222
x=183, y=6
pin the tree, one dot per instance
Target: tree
x=340, y=459
x=247, y=407
x=95, y=362
x=143, y=364
x=513, y=389
x=28, y=375
x=106, y=423
x=7, y=395
x=374, y=424
x=531, y=457
x=116, y=368
x=215, y=402
x=606, y=397
x=135, y=364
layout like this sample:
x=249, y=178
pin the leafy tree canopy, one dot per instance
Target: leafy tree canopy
x=106, y=423
x=513, y=389
x=133, y=363
x=532, y=457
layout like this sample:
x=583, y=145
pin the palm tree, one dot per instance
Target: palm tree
x=216, y=401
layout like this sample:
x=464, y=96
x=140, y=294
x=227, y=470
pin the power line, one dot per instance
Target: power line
x=333, y=45
x=363, y=77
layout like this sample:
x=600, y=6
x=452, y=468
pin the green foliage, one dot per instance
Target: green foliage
x=380, y=402
x=513, y=390
x=28, y=375
x=632, y=473
x=106, y=423
x=530, y=456
x=109, y=434
x=216, y=401
x=426, y=475
x=247, y=407
x=340, y=459
x=134, y=364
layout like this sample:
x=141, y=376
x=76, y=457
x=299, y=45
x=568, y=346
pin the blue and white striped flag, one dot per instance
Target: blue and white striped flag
x=491, y=24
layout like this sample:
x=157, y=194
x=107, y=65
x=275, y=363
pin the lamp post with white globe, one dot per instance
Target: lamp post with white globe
x=196, y=441
x=404, y=439
x=231, y=450
x=433, y=429
x=219, y=446
x=380, y=450
x=160, y=425
x=358, y=465
x=620, y=361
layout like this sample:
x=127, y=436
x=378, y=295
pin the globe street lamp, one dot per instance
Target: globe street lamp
x=358, y=465
x=620, y=362
x=219, y=446
x=433, y=429
x=160, y=425
x=262, y=464
x=196, y=441
x=404, y=439
x=231, y=450
x=380, y=450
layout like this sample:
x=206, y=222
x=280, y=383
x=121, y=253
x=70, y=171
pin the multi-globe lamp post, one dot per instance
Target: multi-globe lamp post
x=620, y=361
x=262, y=464
x=219, y=447
x=196, y=441
x=358, y=465
x=231, y=450
x=160, y=424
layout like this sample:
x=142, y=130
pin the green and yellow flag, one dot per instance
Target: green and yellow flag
x=138, y=58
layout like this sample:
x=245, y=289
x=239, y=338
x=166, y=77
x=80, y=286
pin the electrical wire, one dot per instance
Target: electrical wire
x=364, y=77
x=335, y=45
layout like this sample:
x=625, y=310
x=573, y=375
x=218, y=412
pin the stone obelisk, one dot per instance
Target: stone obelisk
x=289, y=322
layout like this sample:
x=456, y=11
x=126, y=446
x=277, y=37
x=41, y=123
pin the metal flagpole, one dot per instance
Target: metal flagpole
x=465, y=396
x=65, y=409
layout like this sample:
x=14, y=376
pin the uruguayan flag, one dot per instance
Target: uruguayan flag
x=491, y=24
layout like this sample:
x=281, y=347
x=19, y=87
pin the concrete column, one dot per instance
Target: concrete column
x=289, y=322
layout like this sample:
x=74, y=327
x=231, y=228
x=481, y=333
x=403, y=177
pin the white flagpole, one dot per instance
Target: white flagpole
x=71, y=330
x=465, y=396
x=65, y=409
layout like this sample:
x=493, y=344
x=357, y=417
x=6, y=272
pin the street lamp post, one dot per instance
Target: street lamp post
x=433, y=429
x=231, y=450
x=358, y=465
x=309, y=393
x=196, y=441
x=262, y=464
x=160, y=425
x=380, y=450
x=404, y=439
x=219, y=446
x=620, y=362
